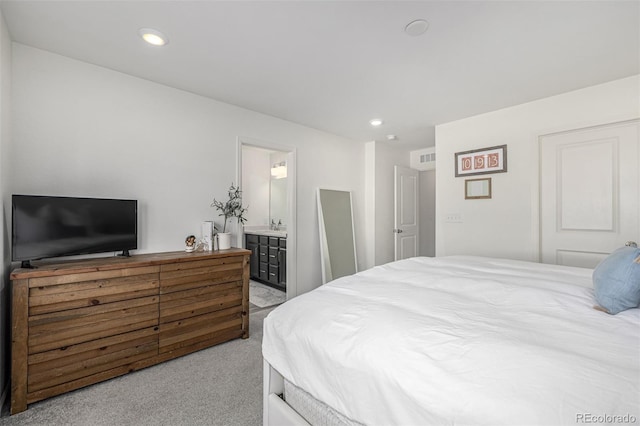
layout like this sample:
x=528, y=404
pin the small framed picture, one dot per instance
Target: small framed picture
x=475, y=189
x=481, y=161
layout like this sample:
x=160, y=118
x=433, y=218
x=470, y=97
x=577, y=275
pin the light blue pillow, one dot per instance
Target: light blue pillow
x=616, y=280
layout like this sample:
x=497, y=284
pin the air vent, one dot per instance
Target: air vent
x=423, y=159
x=427, y=158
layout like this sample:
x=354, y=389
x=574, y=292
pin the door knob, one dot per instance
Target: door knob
x=397, y=231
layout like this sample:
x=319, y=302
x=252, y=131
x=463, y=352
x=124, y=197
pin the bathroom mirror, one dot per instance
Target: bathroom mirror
x=278, y=201
x=337, y=237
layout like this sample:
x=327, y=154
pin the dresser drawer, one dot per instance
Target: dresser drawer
x=54, y=294
x=99, y=357
x=201, y=330
x=183, y=304
x=189, y=275
x=59, y=330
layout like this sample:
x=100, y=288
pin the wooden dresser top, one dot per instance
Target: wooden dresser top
x=46, y=268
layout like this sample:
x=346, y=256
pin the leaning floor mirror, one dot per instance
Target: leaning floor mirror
x=337, y=236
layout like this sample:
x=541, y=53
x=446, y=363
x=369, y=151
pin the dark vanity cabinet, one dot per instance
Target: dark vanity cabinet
x=268, y=263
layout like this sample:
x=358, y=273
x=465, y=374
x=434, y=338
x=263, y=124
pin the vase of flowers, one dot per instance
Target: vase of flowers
x=230, y=209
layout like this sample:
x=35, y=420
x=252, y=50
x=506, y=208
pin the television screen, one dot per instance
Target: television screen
x=45, y=226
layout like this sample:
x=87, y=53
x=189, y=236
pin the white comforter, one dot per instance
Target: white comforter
x=460, y=340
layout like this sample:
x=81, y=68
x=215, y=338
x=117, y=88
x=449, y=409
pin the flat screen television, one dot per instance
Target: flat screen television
x=45, y=227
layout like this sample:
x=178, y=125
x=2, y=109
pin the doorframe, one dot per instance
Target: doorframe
x=292, y=268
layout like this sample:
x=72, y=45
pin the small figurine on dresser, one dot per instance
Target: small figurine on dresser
x=190, y=244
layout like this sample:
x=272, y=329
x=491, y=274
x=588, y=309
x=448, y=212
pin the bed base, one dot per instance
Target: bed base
x=275, y=411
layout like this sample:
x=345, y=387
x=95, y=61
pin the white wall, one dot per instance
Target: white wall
x=507, y=224
x=381, y=157
x=79, y=129
x=5, y=212
x=370, y=204
x=427, y=200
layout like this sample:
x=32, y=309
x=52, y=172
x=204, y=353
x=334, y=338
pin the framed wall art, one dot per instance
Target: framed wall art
x=481, y=161
x=475, y=189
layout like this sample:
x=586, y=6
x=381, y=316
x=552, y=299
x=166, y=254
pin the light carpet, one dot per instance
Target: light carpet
x=263, y=296
x=221, y=385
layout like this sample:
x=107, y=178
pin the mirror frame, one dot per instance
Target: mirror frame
x=325, y=256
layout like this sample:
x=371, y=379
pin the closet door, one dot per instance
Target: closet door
x=590, y=186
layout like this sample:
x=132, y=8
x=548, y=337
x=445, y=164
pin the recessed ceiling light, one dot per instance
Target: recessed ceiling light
x=392, y=137
x=375, y=122
x=153, y=37
x=417, y=27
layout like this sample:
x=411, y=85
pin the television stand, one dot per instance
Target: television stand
x=26, y=264
x=125, y=253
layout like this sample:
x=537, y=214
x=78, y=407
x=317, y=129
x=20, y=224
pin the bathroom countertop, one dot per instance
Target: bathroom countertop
x=266, y=232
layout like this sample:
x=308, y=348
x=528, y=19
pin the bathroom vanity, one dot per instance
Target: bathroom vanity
x=268, y=261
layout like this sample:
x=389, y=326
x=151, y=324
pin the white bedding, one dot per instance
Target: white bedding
x=460, y=340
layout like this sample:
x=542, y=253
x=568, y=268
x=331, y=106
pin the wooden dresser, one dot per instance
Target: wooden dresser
x=81, y=322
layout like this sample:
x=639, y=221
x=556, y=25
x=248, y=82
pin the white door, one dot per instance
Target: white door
x=406, y=212
x=589, y=184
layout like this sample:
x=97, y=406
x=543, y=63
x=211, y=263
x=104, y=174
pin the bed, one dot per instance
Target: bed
x=452, y=340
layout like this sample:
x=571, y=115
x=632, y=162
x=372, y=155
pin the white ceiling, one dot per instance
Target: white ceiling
x=334, y=65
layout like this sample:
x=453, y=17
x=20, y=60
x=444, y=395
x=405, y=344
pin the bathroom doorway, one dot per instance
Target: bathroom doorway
x=267, y=176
